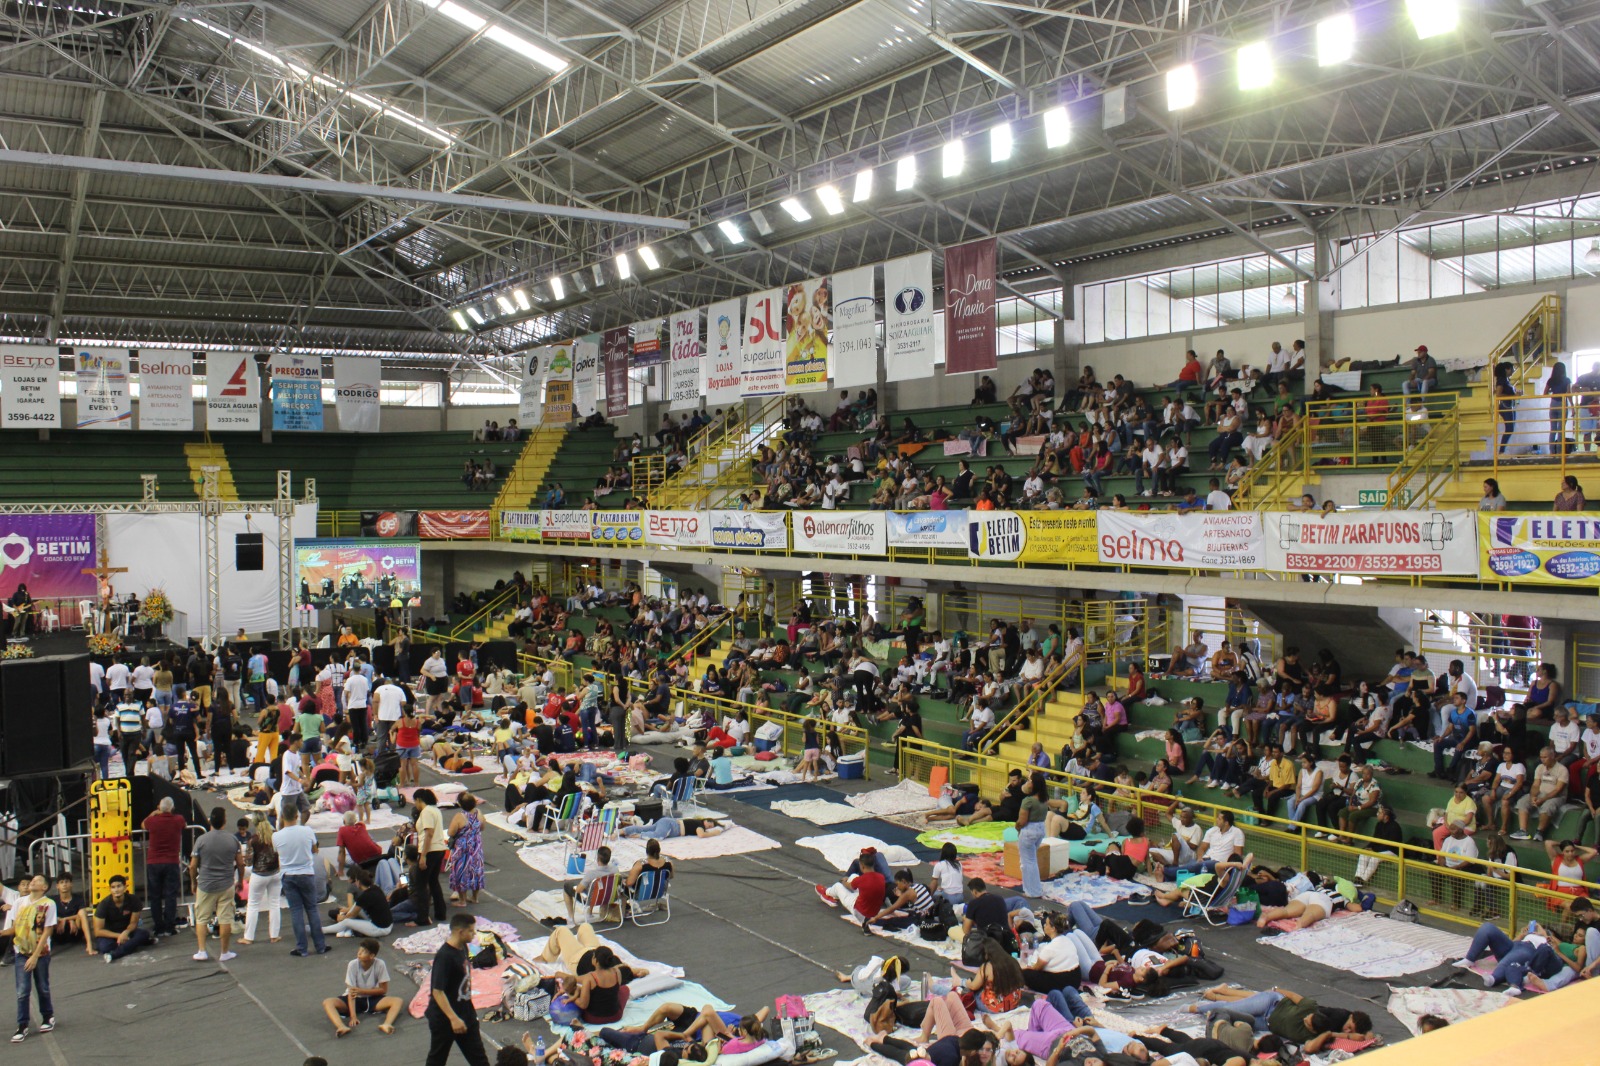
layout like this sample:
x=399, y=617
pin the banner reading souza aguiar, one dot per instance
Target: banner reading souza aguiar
x=1558, y=548
x=1362, y=542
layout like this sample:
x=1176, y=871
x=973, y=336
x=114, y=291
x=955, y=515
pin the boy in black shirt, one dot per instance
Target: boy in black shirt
x=450, y=1014
x=72, y=913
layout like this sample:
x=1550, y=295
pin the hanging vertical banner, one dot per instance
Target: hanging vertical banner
x=357, y=392
x=585, y=375
x=969, y=337
x=530, y=389
x=761, y=359
x=908, y=342
x=684, y=387
x=723, y=343
x=30, y=387
x=807, y=318
x=853, y=355
x=558, y=386
x=233, y=392
x=649, y=342
x=616, y=346
x=296, y=393
x=166, y=391
x=103, y=398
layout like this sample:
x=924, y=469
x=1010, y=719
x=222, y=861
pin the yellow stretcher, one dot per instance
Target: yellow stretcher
x=110, y=834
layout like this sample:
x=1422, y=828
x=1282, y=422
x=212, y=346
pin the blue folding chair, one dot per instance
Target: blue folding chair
x=649, y=897
x=683, y=792
x=561, y=818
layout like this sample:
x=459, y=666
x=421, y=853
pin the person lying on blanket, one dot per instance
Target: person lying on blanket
x=667, y=828
x=1307, y=907
x=1530, y=961
x=968, y=808
x=1296, y=1018
x=1225, y=1044
x=740, y=1032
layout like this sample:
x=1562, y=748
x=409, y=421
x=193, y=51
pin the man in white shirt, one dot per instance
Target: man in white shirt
x=1216, y=499
x=982, y=719
x=356, y=691
x=117, y=677
x=296, y=846
x=391, y=701
x=1222, y=842
x=1564, y=738
x=292, y=788
x=1457, y=680
x=1458, y=848
x=1186, y=836
x=1033, y=487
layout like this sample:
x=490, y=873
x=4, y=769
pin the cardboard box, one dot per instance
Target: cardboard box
x=1053, y=858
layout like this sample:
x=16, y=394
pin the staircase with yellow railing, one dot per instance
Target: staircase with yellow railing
x=1280, y=475
x=719, y=463
x=533, y=463
x=201, y=456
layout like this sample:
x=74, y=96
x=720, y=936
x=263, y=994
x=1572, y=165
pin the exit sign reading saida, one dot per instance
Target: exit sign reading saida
x=1380, y=498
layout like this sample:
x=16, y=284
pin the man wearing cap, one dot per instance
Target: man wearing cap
x=863, y=889
x=1424, y=373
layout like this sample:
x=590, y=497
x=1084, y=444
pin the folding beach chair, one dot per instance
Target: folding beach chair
x=1209, y=895
x=589, y=834
x=683, y=793
x=562, y=817
x=602, y=900
x=650, y=899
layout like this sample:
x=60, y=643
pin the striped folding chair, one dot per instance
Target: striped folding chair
x=649, y=899
x=603, y=906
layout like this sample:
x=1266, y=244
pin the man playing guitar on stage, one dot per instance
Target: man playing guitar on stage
x=19, y=613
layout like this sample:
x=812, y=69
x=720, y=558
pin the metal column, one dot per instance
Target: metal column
x=210, y=523
x=284, y=506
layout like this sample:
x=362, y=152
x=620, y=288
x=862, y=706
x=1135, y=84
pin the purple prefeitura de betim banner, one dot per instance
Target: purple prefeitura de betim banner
x=48, y=553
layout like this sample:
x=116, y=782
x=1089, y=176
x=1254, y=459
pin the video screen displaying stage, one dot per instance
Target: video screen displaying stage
x=357, y=573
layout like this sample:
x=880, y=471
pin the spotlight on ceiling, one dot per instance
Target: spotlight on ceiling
x=905, y=173
x=730, y=229
x=863, y=190
x=1000, y=143
x=795, y=209
x=1057, y=127
x=1183, y=87
x=1336, y=40
x=832, y=202
x=647, y=255
x=521, y=296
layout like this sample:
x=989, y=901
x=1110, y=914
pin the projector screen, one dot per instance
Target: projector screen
x=357, y=573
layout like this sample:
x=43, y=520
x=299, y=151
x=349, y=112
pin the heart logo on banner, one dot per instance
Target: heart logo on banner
x=15, y=551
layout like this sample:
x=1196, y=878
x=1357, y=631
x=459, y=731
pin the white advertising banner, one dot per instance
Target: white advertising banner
x=566, y=525
x=166, y=391
x=909, y=348
x=841, y=532
x=104, y=401
x=761, y=360
x=233, y=392
x=30, y=386
x=998, y=535
x=357, y=382
x=1366, y=542
x=530, y=388
x=686, y=368
x=522, y=523
x=927, y=529
x=1202, y=540
x=853, y=357
x=585, y=375
x=677, y=529
x=748, y=530
x=724, y=358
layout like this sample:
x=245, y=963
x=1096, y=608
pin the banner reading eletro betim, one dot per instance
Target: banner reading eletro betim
x=1555, y=548
x=48, y=553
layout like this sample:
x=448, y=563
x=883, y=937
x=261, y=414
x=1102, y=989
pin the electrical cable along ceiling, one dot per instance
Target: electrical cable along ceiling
x=549, y=167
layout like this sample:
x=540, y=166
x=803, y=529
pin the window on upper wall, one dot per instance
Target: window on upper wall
x=1229, y=292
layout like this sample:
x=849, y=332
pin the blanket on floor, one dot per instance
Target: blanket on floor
x=1093, y=889
x=447, y=793
x=842, y=849
x=638, y=1011
x=484, y=769
x=487, y=989
x=1369, y=945
x=735, y=840
x=427, y=941
x=1408, y=1005
x=904, y=798
x=498, y=820
x=970, y=839
x=817, y=811
x=531, y=950
x=333, y=821
x=991, y=867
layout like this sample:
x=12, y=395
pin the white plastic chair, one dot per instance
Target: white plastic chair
x=51, y=620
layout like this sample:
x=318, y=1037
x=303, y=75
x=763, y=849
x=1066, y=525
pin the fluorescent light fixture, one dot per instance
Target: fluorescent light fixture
x=1255, y=66
x=730, y=230
x=624, y=268
x=460, y=319
x=1057, y=127
x=905, y=173
x=863, y=191
x=647, y=255
x=1336, y=39
x=599, y=275
x=526, y=49
x=558, y=290
x=506, y=306
x=475, y=315
x=457, y=14
x=1433, y=17
x=1000, y=143
x=953, y=159
x=796, y=210
x=832, y=202
x=522, y=299
x=763, y=226
x=1183, y=87
x=702, y=242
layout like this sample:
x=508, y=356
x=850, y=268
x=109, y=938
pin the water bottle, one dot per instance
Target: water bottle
x=538, y=1049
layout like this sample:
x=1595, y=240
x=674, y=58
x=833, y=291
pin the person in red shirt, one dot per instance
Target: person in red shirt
x=465, y=670
x=163, y=830
x=356, y=846
x=554, y=705
x=864, y=890
x=408, y=745
x=1190, y=373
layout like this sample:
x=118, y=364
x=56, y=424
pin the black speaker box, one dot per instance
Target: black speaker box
x=30, y=716
x=249, y=551
x=648, y=810
x=77, y=709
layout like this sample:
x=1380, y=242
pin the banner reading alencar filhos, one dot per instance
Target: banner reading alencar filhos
x=1552, y=548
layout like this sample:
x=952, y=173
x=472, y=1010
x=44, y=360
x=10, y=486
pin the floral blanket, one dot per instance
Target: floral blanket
x=1452, y=1004
x=1093, y=889
x=905, y=798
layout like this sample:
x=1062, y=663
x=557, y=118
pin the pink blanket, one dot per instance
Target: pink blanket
x=487, y=990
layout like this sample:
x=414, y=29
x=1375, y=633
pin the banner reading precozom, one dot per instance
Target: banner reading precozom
x=1556, y=548
x=841, y=532
x=748, y=530
x=1220, y=540
x=1384, y=542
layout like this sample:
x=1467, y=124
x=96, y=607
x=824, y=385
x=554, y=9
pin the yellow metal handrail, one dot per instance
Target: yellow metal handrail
x=1234, y=626
x=496, y=604
x=691, y=651
x=1558, y=454
x=851, y=736
x=689, y=486
x=1278, y=474
x=1584, y=675
x=1430, y=464
x=1399, y=870
x=1529, y=344
x=1034, y=702
x=533, y=463
x=1487, y=649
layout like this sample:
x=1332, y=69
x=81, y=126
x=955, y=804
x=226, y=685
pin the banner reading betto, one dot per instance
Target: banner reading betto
x=1394, y=542
x=677, y=529
x=558, y=386
x=969, y=335
x=841, y=532
x=357, y=382
x=684, y=385
x=1555, y=548
x=748, y=530
x=853, y=355
x=616, y=345
x=103, y=398
x=908, y=349
x=30, y=387
x=724, y=340
x=649, y=342
x=585, y=375
x=166, y=391
x=807, y=318
x=1212, y=540
x=296, y=393
x=927, y=529
x=233, y=392
x=761, y=357
x=530, y=388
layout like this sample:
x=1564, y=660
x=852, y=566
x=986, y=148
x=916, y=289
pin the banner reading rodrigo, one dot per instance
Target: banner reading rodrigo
x=677, y=529
x=1221, y=540
x=841, y=532
x=48, y=553
x=748, y=530
x=617, y=527
x=927, y=529
x=1060, y=537
x=1557, y=548
x=1394, y=542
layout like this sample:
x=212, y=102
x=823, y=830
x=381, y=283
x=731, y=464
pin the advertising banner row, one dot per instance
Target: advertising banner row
x=1532, y=548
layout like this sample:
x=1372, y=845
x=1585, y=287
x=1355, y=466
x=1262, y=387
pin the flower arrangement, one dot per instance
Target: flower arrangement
x=18, y=651
x=156, y=609
x=104, y=644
